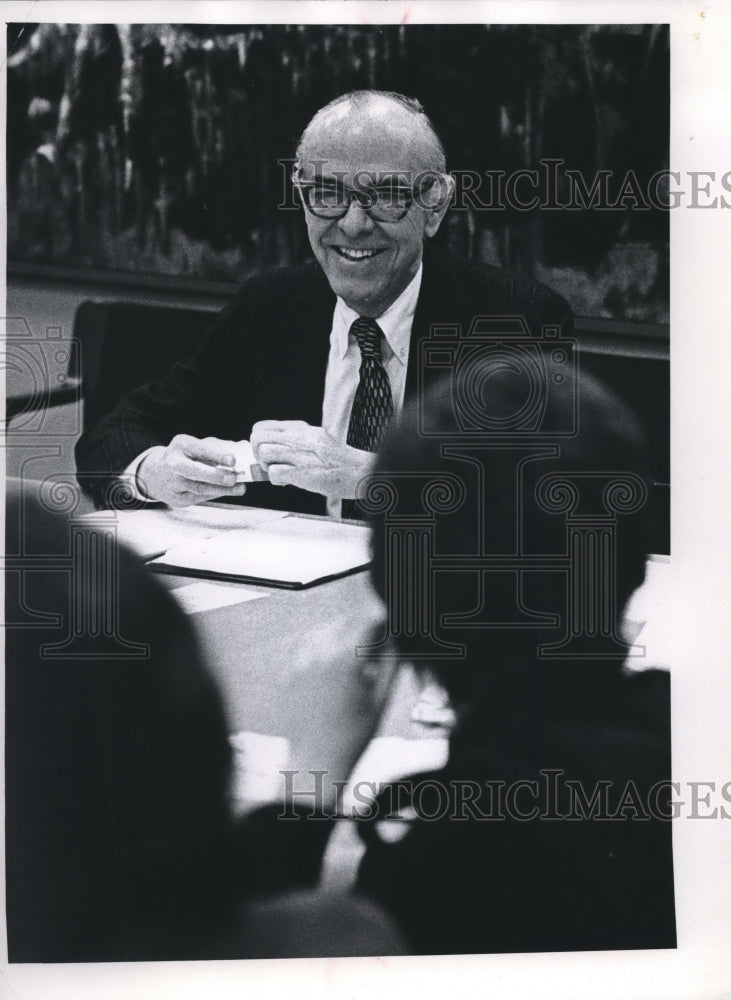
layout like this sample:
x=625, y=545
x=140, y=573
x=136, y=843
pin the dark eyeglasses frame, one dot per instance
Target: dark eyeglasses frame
x=364, y=199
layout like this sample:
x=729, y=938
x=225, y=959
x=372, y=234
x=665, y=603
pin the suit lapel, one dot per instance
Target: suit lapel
x=441, y=302
x=312, y=315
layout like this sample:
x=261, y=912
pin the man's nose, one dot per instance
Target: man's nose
x=356, y=220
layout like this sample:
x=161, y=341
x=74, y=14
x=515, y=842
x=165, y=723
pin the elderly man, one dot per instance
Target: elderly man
x=310, y=363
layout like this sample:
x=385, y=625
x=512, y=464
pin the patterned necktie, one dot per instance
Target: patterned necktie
x=373, y=403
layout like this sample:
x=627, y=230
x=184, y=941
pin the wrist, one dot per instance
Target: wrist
x=363, y=468
x=143, y=482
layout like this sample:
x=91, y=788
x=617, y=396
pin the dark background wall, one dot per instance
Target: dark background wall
x=153, y=149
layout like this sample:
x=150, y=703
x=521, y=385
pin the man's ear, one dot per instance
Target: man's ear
x=444, y=189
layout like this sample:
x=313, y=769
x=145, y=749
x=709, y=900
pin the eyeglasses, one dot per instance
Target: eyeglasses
x=329, y=199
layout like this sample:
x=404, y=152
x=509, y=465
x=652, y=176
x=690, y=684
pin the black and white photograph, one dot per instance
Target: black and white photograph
x=348, y=612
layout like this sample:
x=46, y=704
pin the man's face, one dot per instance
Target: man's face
x=368, y=263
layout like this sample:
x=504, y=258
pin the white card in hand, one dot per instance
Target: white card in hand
x=247, y=468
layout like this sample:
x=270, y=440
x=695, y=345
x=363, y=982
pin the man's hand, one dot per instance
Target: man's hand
x=189, y=471
x=298, y=454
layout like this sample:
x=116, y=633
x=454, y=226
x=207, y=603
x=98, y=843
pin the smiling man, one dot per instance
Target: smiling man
x=311, y=363
x=366, y=153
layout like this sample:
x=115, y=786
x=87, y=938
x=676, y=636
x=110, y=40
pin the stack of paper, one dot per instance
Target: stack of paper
x=292, y=552
x=153, y=531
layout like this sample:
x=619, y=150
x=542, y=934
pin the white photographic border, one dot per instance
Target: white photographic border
x=700, y=968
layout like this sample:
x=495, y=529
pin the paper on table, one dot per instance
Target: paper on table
x=386, y=759
x=259, y=760
x=647, y=616
x=152, y=532
x=292, y=552
x=206, y=595
x=247, y=468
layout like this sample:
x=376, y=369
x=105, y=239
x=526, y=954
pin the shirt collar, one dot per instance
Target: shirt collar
x=395, y=322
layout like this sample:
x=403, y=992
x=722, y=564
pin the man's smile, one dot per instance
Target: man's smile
x=368, y=261
x=353, y=254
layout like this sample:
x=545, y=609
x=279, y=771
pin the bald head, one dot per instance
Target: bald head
x=393, y=127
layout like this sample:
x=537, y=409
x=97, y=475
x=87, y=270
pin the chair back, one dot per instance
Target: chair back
x=123, y=345
x=642, y=379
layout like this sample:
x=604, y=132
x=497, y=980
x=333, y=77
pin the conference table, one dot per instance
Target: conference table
x=252, y=648
x=256, y=636
x=252, y=636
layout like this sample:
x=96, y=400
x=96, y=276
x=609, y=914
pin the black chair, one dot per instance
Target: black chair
x=120, y=345
x=633, y=359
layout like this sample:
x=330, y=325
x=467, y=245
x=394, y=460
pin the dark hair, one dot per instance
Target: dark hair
x=119, y=839
x=491, y=511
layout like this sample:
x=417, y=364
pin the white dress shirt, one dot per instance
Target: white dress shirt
x=343, y=368
x=343, y=363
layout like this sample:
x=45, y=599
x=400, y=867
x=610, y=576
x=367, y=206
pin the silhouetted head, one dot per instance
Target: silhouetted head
x=118, y=832
x=468, y=506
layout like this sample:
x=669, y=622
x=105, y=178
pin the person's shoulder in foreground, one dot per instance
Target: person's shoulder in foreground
x=549, y=828
x=120, y=843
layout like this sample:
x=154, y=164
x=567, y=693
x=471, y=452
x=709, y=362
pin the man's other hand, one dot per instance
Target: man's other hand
x=294, y=453
x=188, y=471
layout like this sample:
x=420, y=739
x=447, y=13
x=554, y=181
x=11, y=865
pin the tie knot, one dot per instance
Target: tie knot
x=368, y=334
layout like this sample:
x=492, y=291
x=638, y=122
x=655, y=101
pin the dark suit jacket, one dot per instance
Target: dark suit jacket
x=265, y=357
x=476, y=877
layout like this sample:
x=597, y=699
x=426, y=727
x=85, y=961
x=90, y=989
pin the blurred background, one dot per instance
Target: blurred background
x=149, y=153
